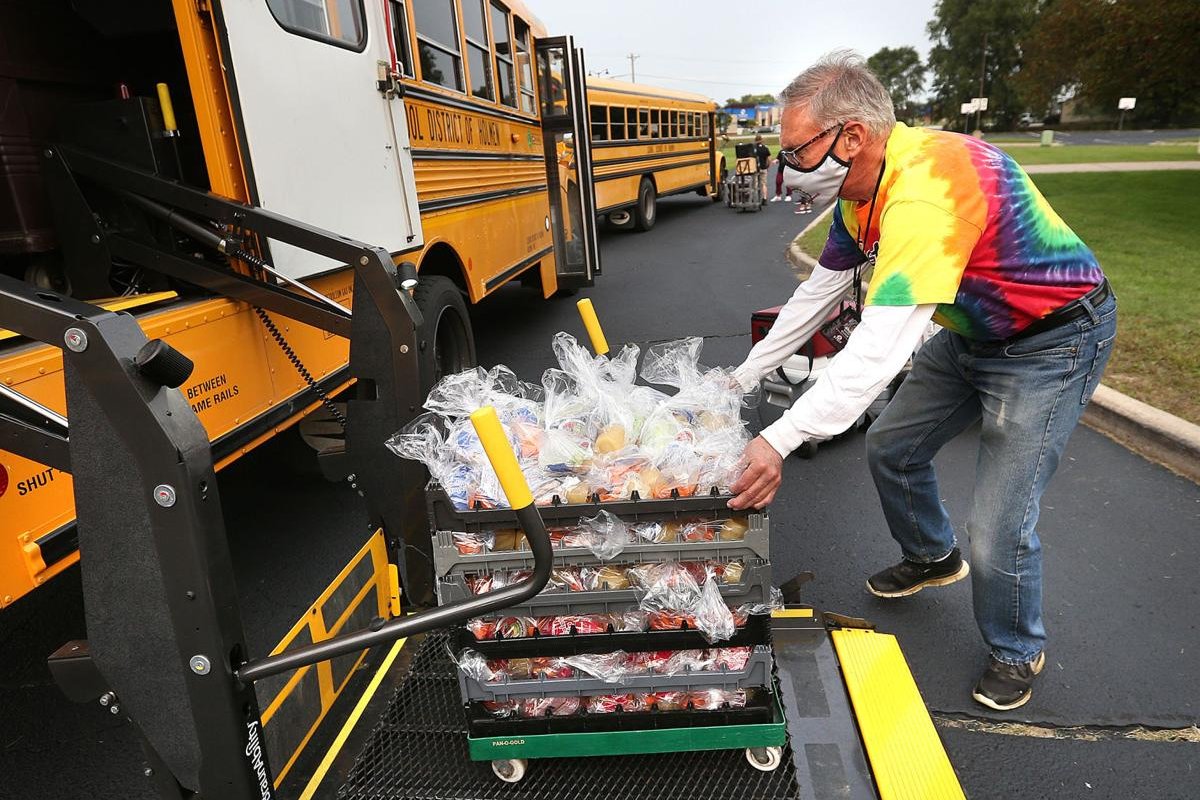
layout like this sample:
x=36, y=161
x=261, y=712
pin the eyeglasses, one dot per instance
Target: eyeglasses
x=791, y=156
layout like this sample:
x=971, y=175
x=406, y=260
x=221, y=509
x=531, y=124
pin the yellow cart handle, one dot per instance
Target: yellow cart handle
x=503, y=459
x=592, y=323
x=167, y=107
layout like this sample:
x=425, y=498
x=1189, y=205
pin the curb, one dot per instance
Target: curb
x=1151, y=432
x=802, y=263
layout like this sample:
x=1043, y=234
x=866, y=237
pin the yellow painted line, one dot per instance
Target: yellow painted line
x=323, y=768
x=904, y=749
x=793, y=613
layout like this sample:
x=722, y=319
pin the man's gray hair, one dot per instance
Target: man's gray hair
x=839, y=88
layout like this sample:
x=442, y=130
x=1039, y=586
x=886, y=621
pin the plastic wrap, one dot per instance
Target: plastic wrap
x=608, y=667
x=565, y=624
x=712, y=616
x=474, y=543
x=774, y=603
x=713, y=699
x=605, y=535
x=611, y=703
x=548, y=706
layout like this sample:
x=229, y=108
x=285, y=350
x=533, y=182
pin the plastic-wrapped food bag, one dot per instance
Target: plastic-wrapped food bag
x=501, y=708
x=469, y=544
x=612, y=703
x=609, y=667
x=774, y=603
x=473, y=664
x=548, y=706
x=674, y=363
x=733, y=659
x=667, y=701
x=712, y=616
x=712, y=699
x=605, y=535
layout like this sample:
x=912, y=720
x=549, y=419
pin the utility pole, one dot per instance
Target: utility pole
x=632, y=74
x=982, y=73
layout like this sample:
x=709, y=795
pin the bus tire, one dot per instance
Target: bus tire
x=719, y=195
x=445, y=341
x=645, y=213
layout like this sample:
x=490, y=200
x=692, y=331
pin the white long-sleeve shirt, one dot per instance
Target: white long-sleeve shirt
x=875, y=352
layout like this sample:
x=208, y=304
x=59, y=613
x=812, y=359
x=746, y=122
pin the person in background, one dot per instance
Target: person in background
x=957, y=232
x=763, y=154
x=780, y=166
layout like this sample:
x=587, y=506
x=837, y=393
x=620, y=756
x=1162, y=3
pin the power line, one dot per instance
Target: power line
x=632, y=72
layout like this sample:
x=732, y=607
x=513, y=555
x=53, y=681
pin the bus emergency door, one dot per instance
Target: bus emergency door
x=568, y=160
x=327, y=136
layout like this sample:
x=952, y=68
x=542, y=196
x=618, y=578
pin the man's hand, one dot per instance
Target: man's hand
x=764, y=472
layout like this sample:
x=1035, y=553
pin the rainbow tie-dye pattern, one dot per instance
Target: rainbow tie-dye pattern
x=958, y=223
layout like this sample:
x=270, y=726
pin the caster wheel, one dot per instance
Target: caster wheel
x=512, y=770
x=765, y=759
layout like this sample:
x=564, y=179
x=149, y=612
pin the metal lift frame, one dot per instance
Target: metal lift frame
x=166, y=640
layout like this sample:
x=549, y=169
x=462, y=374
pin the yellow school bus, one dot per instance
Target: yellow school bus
x=453, y=133
x=648, y=143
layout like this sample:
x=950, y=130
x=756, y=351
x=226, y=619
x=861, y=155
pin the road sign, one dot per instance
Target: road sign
x=1127, y=103
x=980, y=103
x=967, y=108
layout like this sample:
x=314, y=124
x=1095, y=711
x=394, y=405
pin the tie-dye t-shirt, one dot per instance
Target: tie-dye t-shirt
x=958, y=223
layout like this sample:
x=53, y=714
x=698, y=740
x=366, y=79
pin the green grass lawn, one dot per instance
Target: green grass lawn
x=1092, y=153
x=1142, y=227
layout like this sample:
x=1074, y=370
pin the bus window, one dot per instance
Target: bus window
x=504, y=58
x=479, y=68
x=616, y=120
x=599, y=123
x=673, y=131
x=692, y=124
x=400, y=36
x=654, y=123
x=704, y=125
x=437, y=43
x=339, y=22
x=524, y=65
x=643, y=123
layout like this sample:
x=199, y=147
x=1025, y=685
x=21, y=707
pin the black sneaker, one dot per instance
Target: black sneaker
x=909, y=577
x=1008, y=686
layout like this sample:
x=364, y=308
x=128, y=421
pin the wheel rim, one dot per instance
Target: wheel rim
x=648, y=205
x=451, y=351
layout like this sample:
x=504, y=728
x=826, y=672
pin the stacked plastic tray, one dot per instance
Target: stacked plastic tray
x=748, y=676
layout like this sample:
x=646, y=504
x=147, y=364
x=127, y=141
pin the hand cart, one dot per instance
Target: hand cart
x=744, y=188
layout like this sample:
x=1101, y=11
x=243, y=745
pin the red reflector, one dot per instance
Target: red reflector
x=3, y=480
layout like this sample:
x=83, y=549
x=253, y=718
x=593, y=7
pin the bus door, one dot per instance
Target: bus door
x=327, y=137
x=568, y=160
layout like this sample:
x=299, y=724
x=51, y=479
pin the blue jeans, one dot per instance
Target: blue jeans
x=1029, y=395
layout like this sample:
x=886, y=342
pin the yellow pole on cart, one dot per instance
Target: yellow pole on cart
x=592, y=323
x=504, y=460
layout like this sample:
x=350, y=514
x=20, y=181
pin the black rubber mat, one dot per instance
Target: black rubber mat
x=419, y=750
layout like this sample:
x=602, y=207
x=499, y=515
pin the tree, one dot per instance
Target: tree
x=750, y=100
x=1100, y=51
x=902, y=73
x=968, y=34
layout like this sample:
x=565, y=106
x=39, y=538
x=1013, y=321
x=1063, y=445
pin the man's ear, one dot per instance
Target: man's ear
x=853, y=138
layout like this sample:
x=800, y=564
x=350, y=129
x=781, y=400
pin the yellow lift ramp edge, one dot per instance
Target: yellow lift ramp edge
x=906, y=754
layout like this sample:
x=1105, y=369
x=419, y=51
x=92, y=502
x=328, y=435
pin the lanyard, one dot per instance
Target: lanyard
x=862, y=240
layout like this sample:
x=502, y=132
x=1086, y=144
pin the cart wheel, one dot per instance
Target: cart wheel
x=512, y=770
x=766, y=759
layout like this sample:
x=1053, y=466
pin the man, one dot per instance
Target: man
x=958, y=233
x=762, y=155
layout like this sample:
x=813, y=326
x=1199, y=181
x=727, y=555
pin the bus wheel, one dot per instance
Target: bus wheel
x=646, y=210
x=445, y=342
x=719, y=195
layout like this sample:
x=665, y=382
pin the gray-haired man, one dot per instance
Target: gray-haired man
x=956, y=232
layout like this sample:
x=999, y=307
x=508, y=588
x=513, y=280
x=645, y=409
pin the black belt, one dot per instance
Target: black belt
x=1064, y=314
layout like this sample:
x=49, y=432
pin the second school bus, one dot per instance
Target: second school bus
x=648, y=143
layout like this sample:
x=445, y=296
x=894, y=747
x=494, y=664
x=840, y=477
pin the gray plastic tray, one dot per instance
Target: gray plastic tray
x=754, y=587
x=757, y=673
x=755, y=546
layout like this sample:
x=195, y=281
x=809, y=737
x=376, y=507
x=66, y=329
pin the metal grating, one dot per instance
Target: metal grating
x=419, y=750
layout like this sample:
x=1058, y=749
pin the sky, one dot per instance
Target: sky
x=699, y=45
